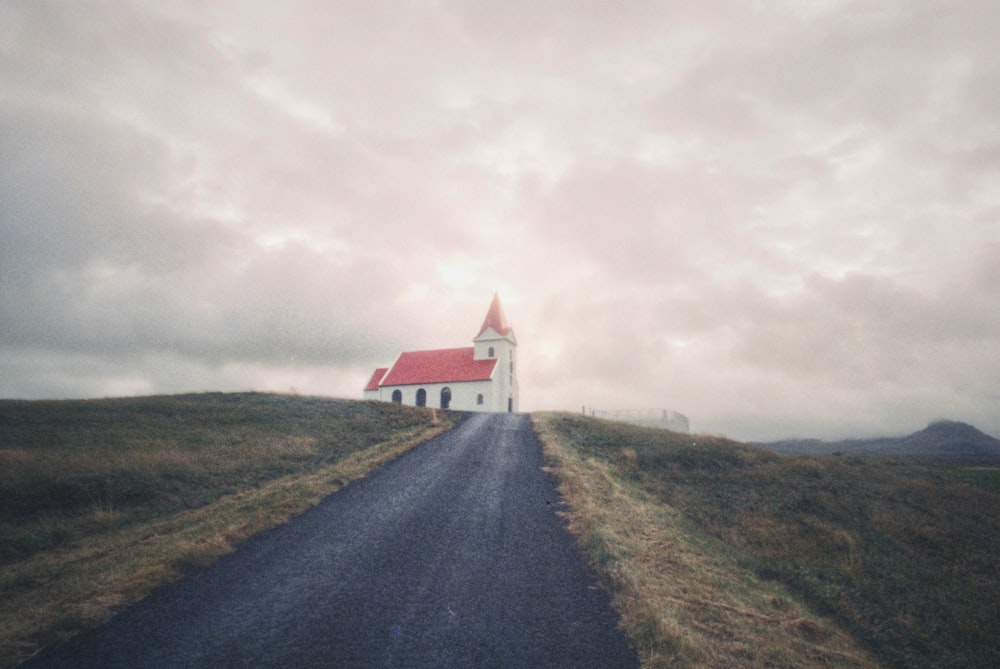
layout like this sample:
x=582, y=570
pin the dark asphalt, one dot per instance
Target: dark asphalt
x=451, y=557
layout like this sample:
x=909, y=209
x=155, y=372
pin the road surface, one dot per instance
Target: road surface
x=451, y=557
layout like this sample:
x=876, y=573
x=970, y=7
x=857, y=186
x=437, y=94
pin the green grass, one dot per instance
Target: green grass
x=984, y=478
x=103, y=500
x=721, y=555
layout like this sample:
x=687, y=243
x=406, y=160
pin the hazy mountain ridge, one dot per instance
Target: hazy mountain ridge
x=943, y=438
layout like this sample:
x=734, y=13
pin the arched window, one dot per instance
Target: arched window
x=445, y=397
x=491, y=353
x=479, y=398
x=397, y=396
x=421, y=397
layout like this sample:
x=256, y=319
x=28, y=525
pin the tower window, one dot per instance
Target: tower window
x=491, y=353
x=479, y=398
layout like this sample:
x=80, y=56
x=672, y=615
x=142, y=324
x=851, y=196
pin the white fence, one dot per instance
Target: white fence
x=658, y=418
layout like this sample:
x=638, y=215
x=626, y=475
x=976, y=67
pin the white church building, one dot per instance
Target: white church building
x=481, y=377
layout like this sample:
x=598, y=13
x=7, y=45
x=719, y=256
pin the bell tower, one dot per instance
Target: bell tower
x=496, y=341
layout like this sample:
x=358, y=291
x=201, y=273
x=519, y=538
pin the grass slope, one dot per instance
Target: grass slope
x=103, y=500
x=721, y=555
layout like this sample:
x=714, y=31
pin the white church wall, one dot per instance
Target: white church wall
x=463, y=395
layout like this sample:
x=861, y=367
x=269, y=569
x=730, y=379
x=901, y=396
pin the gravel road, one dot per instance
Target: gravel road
x=451, y=556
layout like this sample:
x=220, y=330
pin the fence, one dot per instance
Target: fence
x=658, y=418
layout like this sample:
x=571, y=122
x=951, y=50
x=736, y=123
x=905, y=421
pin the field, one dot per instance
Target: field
x=718, y=554
x=721, y=555
x=104, y=500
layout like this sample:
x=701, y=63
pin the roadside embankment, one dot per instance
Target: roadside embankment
x=722, y=555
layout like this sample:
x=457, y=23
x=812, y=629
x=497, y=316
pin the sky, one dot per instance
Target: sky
x=781, y=218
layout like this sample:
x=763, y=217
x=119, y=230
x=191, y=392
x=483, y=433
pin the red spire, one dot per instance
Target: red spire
x=495, y=318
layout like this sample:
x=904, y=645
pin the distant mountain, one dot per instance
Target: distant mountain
x=940, y=438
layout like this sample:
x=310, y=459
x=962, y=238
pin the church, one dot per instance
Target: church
x=481, y=377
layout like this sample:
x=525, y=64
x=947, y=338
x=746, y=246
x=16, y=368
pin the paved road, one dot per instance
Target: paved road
x=451, y=557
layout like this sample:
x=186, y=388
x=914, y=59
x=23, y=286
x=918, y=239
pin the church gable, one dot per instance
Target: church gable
x=376, y=379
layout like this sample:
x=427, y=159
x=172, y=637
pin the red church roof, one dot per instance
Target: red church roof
x=495, y=318
x=447, y=365
x=376, y=377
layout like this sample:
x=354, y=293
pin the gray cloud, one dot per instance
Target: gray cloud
x=780, y=219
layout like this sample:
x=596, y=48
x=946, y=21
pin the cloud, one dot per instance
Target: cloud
x=828, y=357
x=778, y=219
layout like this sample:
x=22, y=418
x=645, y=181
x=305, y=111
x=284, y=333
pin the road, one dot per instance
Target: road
x=452, y=557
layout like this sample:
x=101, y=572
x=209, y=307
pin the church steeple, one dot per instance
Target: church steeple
x=496, y=319
x=496, y=341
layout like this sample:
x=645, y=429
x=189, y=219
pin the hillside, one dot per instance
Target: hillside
x=941, y=439
x=103, y=500
x=719, y=554
x=723, y=555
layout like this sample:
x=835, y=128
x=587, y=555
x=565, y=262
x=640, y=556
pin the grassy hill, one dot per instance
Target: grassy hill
x=103, y=500
x=722, y=555
x=719, y=554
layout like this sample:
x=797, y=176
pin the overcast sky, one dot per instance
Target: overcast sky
x=778, y=218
